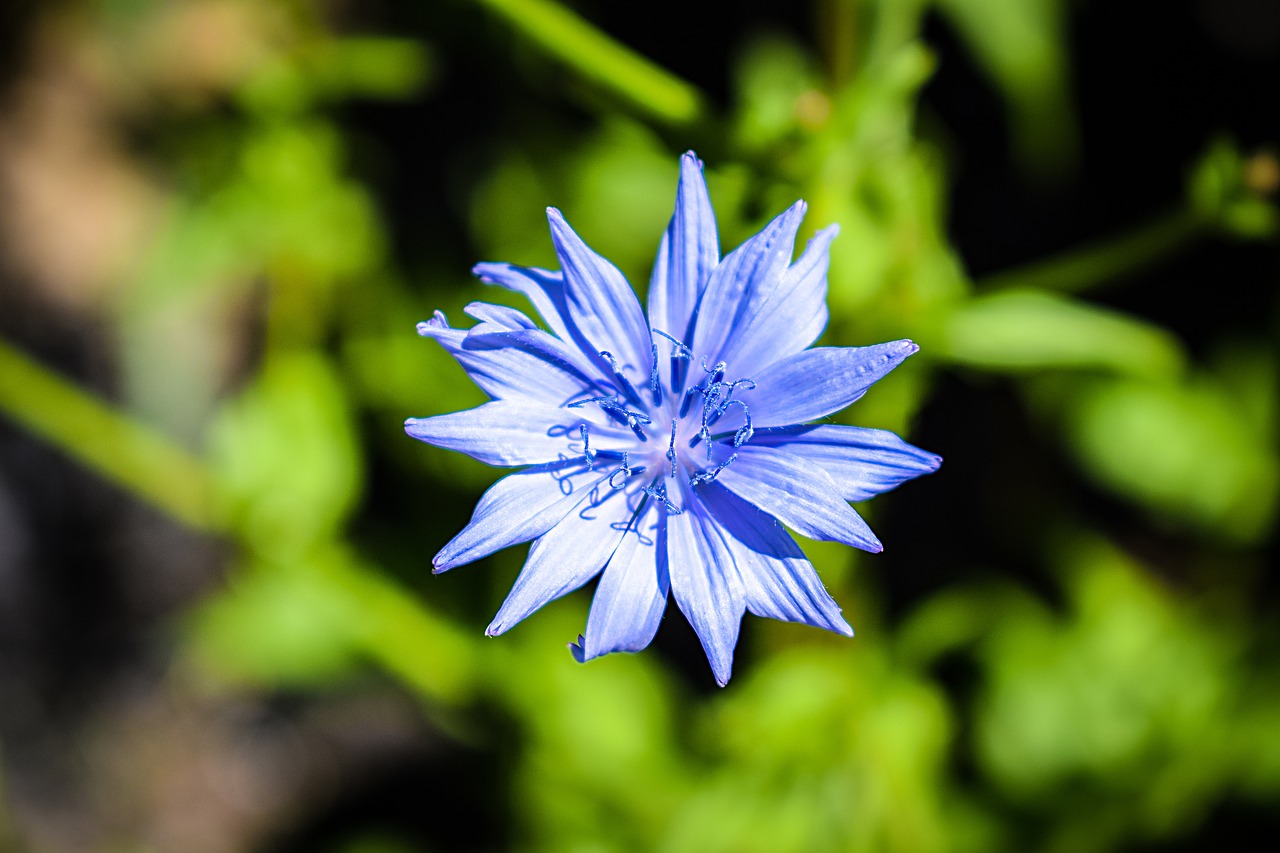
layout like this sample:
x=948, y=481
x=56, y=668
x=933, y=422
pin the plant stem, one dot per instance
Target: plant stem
x=1086, y=268
x=600, y=58
x=128, y=453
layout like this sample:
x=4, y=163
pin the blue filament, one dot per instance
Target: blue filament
x=619, y=380
x=707, y=476
x=671, y=448
x=682, y=351
x=625, y=470
x=620, y=413
x=587, y=452
x=658, y=491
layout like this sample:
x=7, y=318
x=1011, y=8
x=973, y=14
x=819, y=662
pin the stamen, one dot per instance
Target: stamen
x=717, y=372
x=688, y=398
x=587, y=452
x=707, y=476
x=671, y=448
x=682, y=351
x=618, y=412
x=659, y=493
x=655, y=386
x=619, y=380
x=625, y=470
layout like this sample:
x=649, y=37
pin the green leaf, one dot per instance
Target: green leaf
x=1183, y=450
x=1026, y=331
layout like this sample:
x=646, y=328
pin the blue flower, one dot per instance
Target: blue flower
x=662, y=453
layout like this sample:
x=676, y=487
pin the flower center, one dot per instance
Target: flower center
x=692, y=410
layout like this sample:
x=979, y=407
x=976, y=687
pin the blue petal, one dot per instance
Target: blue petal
x=705, y=582
x=498, y=318
x=544, y=288
x=748, y=273
x=815, y=383
x=520, y=507
x=601, y=303
x=799, y=493
x=779, y=582
x=569, y=555
x=689, y=252
x=787, y=319
x=632, y=593
x=528, y=363
x=508, y=432
x=863, y=462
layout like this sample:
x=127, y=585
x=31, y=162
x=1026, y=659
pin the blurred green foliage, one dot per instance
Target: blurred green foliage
x=1125, y=713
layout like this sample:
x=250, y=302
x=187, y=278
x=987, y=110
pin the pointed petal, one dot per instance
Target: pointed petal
x=633, y=591
x=527, y=363
x=779, y=582
x=566, y=557
x=814, y=383
x=862, y=462
x=601, y=303
x=518, y=508
x=748, y=273
x=509, y=432
x=544, y=288
x=787, y=319
x=705, y=583
x=498, y=318
x=689, y=252
x=798, y=493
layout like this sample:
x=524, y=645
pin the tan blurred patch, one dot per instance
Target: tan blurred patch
x=200, y=48
x=75, y=211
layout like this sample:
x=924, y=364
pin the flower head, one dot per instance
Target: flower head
x=662, y=453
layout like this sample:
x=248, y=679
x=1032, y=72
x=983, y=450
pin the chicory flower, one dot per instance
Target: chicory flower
x=665, y=453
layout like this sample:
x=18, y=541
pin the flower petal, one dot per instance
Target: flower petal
x=632, y=593
x=863, y=462
x=689, y=252
x=814, y=383
x=544, y=288
x=528, y=363
x=509, y=432
x=748, y=273
x=497, y=318
x=520, y=507
x=566, y=557
x=779, y=582
x=799, y=493
x=705, y=582
x=786, y=319
x=601, y=303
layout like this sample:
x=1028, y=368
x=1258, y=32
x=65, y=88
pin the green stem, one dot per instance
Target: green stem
x=1086, y=268
x=128, y=453
x=151, y=466
x=601, y=59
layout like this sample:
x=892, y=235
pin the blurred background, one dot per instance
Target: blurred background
x=221, y=219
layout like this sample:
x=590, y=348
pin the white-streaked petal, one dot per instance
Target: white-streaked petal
x=526, y=363
x=632, y=593
x=705, y=583
x=689, y=252
x=746, y=275
x=511, y=432
x=814, y=383
x=498, y=318
x=778, y=581
x=797, y=492
x=520, y=507
x=601, y=303
x=787, y=319
x=566, y=557
x=862, y=462
x=543, y=288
